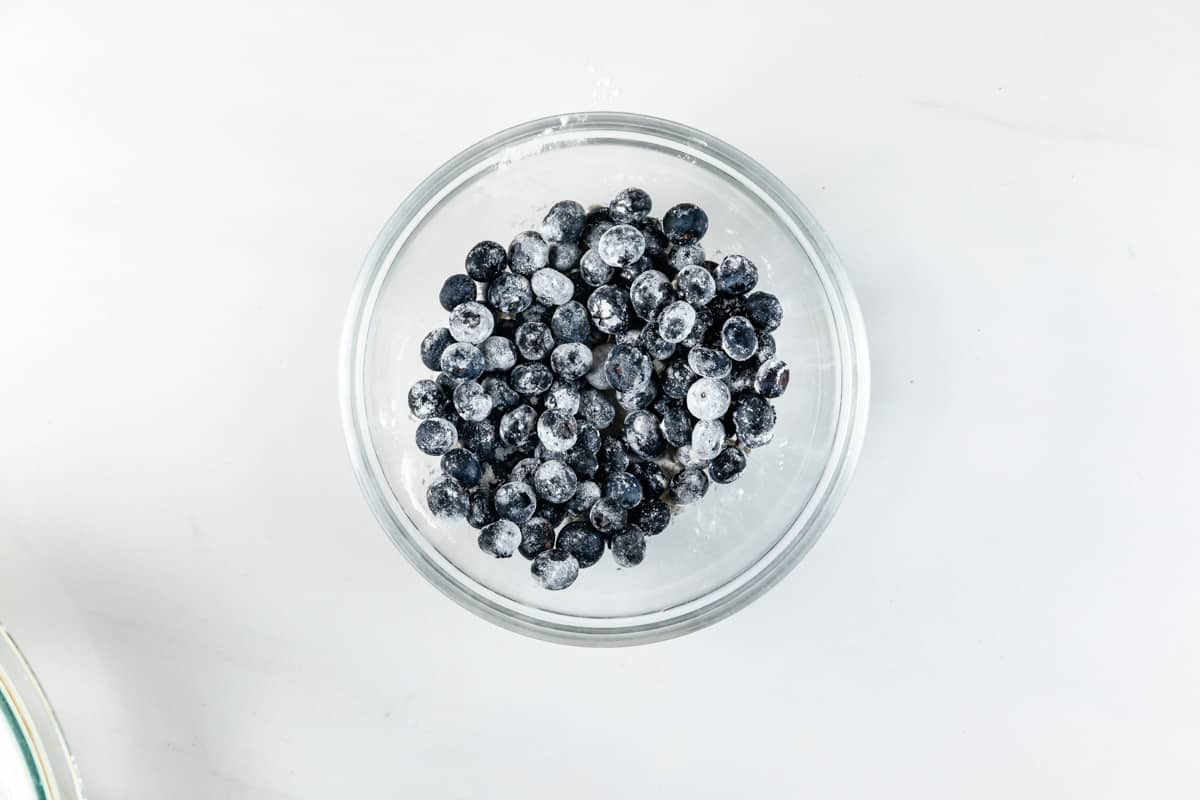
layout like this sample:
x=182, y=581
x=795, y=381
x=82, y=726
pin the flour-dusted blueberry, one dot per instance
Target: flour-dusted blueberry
x=586, y=493
x=708, y=439
x=687, y=458
x=695, y=284
x=504, y=397
x=463, y=466
x=534, y=340
x=725, y=306
x=652, y=517
x=738, y=338
x=582, y=541
x=583, y=461
x=639, y=398
x=728, y=466
x=564, y=256
x=448, y=384
x=654, y=345
x=500, y=539
x=676, y=426
x=447, y=498
x=607, y=515
x=524, y=470
x=554, y=513
x=435, y=436
x=741, y=380
x=472, y=401
x=676, y=321
x=629, y=206
x=509, y=293
x=528, y=253
x=480, y=438
x=595, y=224
x=700, y=328
x=571, y=361
x=649, y=293
x=555, y=481
x=596, y=408
x=686, y=255
x=654, y=480
x=677, y=377
x=554, y=569
x=624, y=488
x=456, y=290
x=564, y=222
x=629, y=547
x=537, y=312
x=557, y=431
x=764, y=310
x=708, y=398
x=486, y=260
x=480, y=511
x=518, y=427
x=593, y=270
x=530, y=379
x=621, y=245
x=499, y=355
x=569, y=323
x=709, y=363
x=563, y=396
x=629, y=273
x=689, y=486
x=657, y=243
x=612, y=455
x=608, y=307
x=432, y=347
x=642, y=436
x=596, y=377
x=766, y=347
x=685, y=223
x=735, y=275
x=552, y=287
x=515, y=501
x=627, y=368
x=772, y=378
x=754, y=421
x=426, y=399
x=537, y=536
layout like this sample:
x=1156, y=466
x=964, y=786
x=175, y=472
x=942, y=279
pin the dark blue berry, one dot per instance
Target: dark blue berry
x=649, y=293
x=766, y=347
x=571, y=361
x=657, y=243
x=554, y=481
x=709, y=363
x=741, y=380
x=627, y=368
x=515, y=501
x=655, y=346
x=652, y=516
x=517, y=427
x=509, y=293
x=583, y=461
x=738, y=338
x=639, y=398
x=555, y=569
x=735, y=275
x=689, y=486
x=772, y=378
x=557, y=431
x=500, y=538
x=695, y=284
x=607, y=515
x=426, y=399
x=569, y=323
x=608, y=307
x=754, y=421
x=537, y=536
x=621, y=245
x=534, y=340
x=582, y=541
x=592, y=269
x=686, y=255
x=435, y=436
x=629, y=547
x=654, y=480
x=595, y=224
x=764, y=310
x=595, y=408
x=554, y=513
x=530, y=379
x=612, y=455
x=486, y=260
x=432, y=347
x=629, y=206
x=677, y=377
x=624, y=488
x=642, y=436
x=462, y=361
x=480, y=511
x=456, y=290
x=564, y=256
x=479, y=438
x=463, y=466
x=504, y=398
x=586, y=493
x=528, y=253
x=589, y=436
x=685, y=223
x=700, y=328
x=564, y=222
x=727, y=467
x=676, y=426
x=447, y=498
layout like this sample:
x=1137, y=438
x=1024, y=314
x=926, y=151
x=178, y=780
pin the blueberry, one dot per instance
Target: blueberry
x=569, y=323
x=676, y=426
x=515, y=501
x=432, y=347
x=685, y=223
x=754, y=421
x=557, y=431
x=708, y=398
x=741, y=380
x=552, y=287
x=649, y=293
x=589, y=436
x=652, y=516
x=528, y=253
x=554, y=513
x=583, y=461
x=624, y=488
x=586, y=493
x=456, y=290
x=500, y=538
x=595, y=224
x=447, y=498
x=534, y=340
x=582, y=541
x=435, y=436
x=524, y=470
x=704, y=321
x=593, y=270
x=687, y=458
x=564, y=222
x=654, y=345
x=766, y=347
x=596, y=376
x=627, y=368
x=677, y=377
x=480, y=511
x=676, y=321
x=639, y=398
x=630, y=205
x=725, y=306
x=463, y=466
x=695, y=284
x=728, y=466
x=657, y=243
x=642, y=436
x=472, y=401
x=555, y=569
x=479, y=438
x=537, y=311
x=503, y=397
x=564, y=256
x=654, y=480
x=607, y=515
x=509, y=293
x=689, y=486
x=629, y=547
x=632, y=271
x=499, y=355
x=426, y=399
x=621, y=245
x=517, y=427
x=555, y=481
x=735, y=275
x=563, y=396
x=764, y=310
x=537, y=536
x=709, y=363
x=686, y=255
x=608, y=307
x=571, y=361
x=772, y=378
x=531, y=378
x=486, y=260
x=708, y=438
x=612, y=455
x=738, y=339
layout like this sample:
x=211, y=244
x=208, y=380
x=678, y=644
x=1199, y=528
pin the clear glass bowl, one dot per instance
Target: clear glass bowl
x=717, y=555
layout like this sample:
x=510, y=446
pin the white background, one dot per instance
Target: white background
x=1007, y=604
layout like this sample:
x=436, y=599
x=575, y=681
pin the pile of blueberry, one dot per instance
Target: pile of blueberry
x=595, y=374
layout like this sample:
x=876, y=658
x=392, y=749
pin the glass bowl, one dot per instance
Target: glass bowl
x=717, y=555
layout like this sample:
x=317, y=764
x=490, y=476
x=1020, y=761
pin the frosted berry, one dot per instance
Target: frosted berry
x=503, y=396
x=499, y=355
x=480, y=438
x=607, y=515
x=686, y=255
x=564, y=222
x=629, y=547
x=529, y=379
x=709, y=363
x=586, y=493
x=630, y=205
x=551, y=286
x=676, y=379
x=608, y=307
x=735, y=275
x=500, y=539
x=569, y=323
x=627, y=368
x=515, y=501
x=435, y=436
x=764, y=310
x=695, y=284
x=462, y=361
x=708, y=439
x=509, y=293
x=534, y=340
x=517, y=427
x=463, y=466
x=426, y=399
x=595, y=408
x=582, y=541
x=612, y=455
x=642, y=436
x=624, y=488
x=621, y=245
x=655, y=346
x=563, y=396
x=676, y=426
x=738, y=338
x=432, y=347
x=596, y=376
x=557, y=431
x=555, y=569
x=649, y=293
x=728, y=466
x=685, y=223
x=528, y=253
x=564, y=256
x=653, y=479
x=486, y=260
x=447, y=498
x=676, y=321
x=472, y=401
x=772, y=378
x=571, y=361
x=708, y=398
x=456, y=290
x=754, y=421
x=593, y=270
x=689, y=486
x=652, y=516
x=537, y=536
x=480, y=511
x=555, y=481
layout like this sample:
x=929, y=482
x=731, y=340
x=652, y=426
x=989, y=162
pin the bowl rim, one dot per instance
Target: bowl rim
x=849, y=431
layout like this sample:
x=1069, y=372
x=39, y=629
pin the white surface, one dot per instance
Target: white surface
x=1007, y=604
